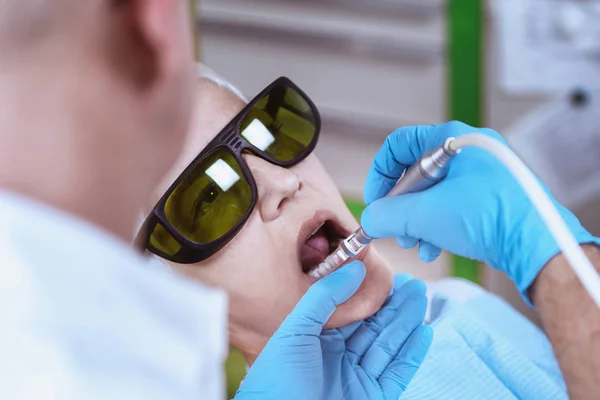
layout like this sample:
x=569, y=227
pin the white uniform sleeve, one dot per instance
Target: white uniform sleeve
x=83, y=317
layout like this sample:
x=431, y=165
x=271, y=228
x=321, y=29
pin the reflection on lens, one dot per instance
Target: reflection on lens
x=283, y=124
x=258, y=134
x=223, y=175
x=211, y=199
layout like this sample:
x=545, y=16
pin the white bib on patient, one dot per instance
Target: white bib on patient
x=484, y=349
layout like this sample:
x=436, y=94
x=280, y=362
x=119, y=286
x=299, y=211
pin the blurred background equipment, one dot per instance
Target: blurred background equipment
x=372, y=66
x=547, y=46
x=561, y=141
x=543, y=70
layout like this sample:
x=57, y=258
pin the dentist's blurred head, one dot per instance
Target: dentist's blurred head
x=95, y=99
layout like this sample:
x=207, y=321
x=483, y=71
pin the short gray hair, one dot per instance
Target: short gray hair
x=210, y=75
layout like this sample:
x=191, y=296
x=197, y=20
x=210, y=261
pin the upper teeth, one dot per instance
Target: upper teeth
x=317, y=230
x=321, y=270
x=330, y=264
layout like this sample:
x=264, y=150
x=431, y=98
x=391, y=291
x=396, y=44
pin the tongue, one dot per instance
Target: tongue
x=314, y=250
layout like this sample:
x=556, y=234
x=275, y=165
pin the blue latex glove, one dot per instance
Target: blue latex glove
x=374, y=359
x=479, y=211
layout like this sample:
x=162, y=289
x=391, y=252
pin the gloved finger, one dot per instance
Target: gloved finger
x=410, y=315
x=321, y=300
x=393, y=216
x=407, y=242
x=401, y=149
x=349, y=330
x=398, y=375
x=428, y=252
x=364, y=337
x=399, y=281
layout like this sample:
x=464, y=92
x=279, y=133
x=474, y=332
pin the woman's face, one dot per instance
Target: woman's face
x=263, y=269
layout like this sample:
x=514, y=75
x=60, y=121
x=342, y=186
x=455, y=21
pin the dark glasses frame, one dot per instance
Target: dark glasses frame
x=230, y=139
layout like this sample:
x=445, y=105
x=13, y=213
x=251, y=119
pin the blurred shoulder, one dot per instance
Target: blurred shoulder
x=450, y=293
x=458, y=290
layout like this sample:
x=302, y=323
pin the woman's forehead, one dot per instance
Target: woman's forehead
x=215, y=107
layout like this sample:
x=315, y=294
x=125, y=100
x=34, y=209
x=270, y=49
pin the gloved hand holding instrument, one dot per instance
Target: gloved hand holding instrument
x=478, y=211
x=499, y=213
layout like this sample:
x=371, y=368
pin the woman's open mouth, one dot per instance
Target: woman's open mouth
x=319, y=243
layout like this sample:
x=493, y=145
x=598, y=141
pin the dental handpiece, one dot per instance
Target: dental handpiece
x=426, y=173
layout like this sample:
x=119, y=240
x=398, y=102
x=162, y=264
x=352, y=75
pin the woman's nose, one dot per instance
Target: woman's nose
x=275, y=186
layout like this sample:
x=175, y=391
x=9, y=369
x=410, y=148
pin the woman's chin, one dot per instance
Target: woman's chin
x=369, y=298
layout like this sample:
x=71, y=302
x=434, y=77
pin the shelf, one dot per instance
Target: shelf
x=352, y=42
x=402, y=8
